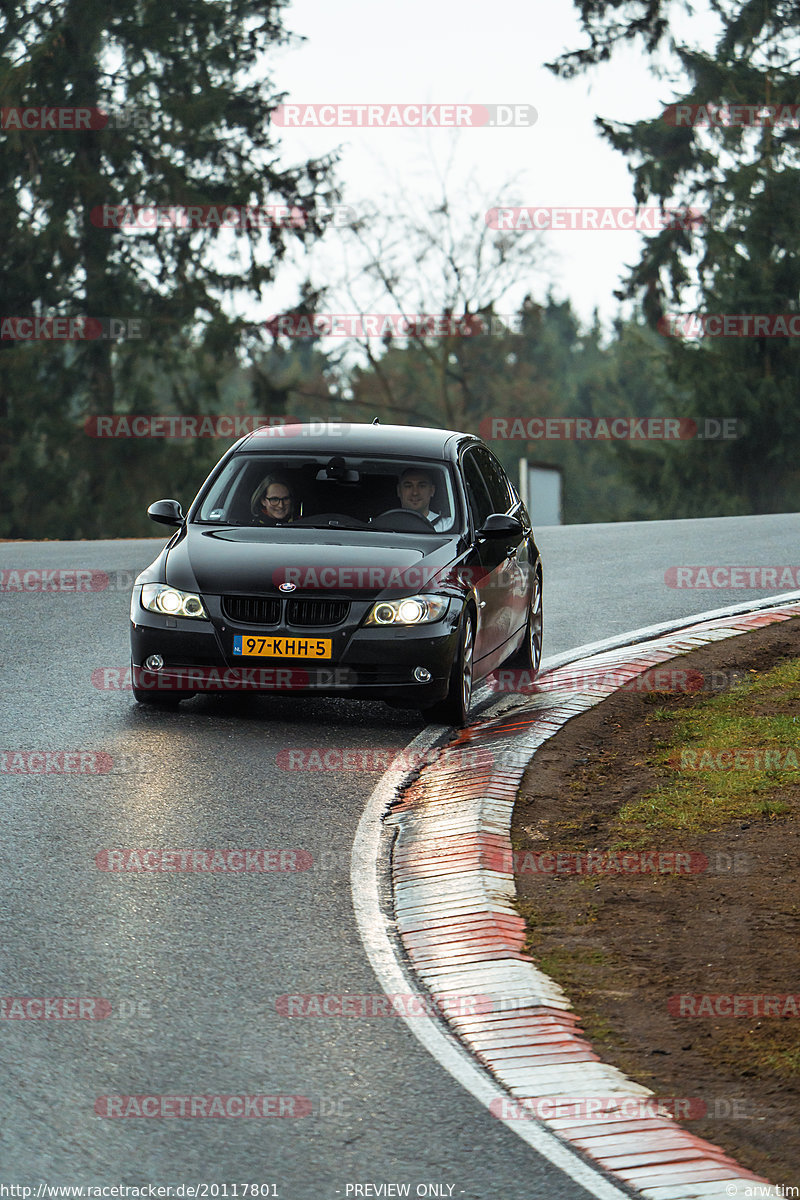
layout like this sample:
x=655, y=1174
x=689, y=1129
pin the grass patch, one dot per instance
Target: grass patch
x=784, y=1063
x=730, y=756
x=559, y=961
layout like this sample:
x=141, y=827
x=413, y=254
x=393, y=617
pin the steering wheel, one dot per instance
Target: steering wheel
x=416, y=520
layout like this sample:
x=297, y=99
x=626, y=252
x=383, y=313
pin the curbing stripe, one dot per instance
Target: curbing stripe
x=449, y=1052
x=649, y=1153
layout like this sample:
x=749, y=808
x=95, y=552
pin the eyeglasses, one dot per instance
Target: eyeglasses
x=277, y=499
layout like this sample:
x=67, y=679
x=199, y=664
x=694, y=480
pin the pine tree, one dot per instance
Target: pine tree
x=728, y=147
x=181, y=100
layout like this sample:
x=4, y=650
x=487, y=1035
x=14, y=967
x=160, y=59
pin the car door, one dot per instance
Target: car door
x=506, y=596
x=487, y=558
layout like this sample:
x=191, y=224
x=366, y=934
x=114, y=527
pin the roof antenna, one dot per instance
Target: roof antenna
x=375, y=421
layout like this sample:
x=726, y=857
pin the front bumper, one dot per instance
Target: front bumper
x=371, y=662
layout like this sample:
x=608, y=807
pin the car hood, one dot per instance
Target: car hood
x=253, y=561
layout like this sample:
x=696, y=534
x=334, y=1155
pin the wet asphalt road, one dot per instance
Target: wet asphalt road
x=193, y=963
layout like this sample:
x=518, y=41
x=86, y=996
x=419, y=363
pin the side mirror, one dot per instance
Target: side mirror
x=166, y=512
x=498, y=525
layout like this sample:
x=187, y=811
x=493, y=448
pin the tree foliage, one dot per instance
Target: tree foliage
x=539, y=363
x=188, y=97
x=425, y=261
x=727, y=145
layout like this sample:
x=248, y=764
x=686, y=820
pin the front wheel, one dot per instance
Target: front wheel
x=529, y=655
x=454, y=709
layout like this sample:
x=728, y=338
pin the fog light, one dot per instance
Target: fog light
x=422, y=675
x=154, y=663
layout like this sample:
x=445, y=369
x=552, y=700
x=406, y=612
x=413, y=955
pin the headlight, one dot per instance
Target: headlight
x=411, y=610
x=159, y=598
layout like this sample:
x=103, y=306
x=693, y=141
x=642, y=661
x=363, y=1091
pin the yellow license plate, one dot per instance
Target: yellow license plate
x=282, y=647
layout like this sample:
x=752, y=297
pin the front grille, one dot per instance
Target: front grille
x=252, y=610
x=316, y=612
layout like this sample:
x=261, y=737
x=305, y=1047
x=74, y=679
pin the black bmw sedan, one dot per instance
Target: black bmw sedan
x=373, y=561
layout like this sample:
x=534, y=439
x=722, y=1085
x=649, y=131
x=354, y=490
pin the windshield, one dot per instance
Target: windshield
x=339, y=491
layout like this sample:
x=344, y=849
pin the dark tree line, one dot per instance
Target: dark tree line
x=188, y=97
x=188, y=102
x=729, y=145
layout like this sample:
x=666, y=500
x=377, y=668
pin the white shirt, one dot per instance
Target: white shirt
x=438, y=523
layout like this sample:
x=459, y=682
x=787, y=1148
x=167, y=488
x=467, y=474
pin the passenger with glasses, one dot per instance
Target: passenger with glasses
x=273, y=502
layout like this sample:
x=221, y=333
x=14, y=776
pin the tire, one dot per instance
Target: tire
x=529, y=655
x=454, y=709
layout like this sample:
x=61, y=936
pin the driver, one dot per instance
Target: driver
x=416, y=489
x=273, y=502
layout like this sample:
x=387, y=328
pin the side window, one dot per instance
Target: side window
x=496, y=482
x=480, y=504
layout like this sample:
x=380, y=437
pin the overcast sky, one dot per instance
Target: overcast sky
x=474, y=51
